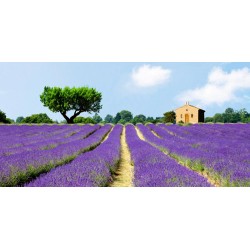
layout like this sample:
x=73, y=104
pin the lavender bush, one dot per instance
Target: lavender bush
x=222, y=151
x=155, y=169
x=90, y=169
x=19, y=168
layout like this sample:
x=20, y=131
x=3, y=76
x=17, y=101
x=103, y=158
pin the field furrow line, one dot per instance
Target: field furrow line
x=124, y=175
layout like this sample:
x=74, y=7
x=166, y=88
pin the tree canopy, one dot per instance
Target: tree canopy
x=97, y=118
x=139, y=119
x=169, y=117
x=19, y=119
x=109, y=119
x=117, y=118
x=126, y=115
x=37, y=118
x=3, y=117
x=230, y=116
x=84, y=120
x=79, y=100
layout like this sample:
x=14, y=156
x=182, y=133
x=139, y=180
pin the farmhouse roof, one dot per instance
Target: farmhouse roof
x=187, y=104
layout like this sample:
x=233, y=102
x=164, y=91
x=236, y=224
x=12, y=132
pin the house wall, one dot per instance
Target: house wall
x=201, y=116
x=187, y=110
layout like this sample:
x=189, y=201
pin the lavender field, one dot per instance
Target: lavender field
x=201, y=155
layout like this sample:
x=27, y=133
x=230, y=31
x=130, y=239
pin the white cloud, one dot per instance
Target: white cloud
x=149, y=76
x=221, y=87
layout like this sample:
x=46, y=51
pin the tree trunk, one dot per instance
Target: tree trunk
x=68, y=120
x=71, y=119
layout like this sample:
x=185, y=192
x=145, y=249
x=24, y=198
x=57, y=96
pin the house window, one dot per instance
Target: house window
x=186, y=109
x=181, y=116
x=192, y=115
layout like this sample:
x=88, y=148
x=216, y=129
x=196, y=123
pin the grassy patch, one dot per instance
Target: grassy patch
x=49, y=147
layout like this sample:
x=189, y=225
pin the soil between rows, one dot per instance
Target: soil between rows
x=124, y=175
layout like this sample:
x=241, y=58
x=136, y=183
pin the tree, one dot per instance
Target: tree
x=150, y=119
x=3, y=117
x=243, y=115
x=139, y=119
x=121, y=121
x=79, y=119
x=19, y=119
x=97, y=118
x=209, y=119
x=228, y=115
x=109, y=119
x=79, y=100
x=126, y=115
x=218, y=118
x=117, y=118
x=37, y=118
x=10, y=120
x=158, y=120
x=232, y=116
x=84, y=120
x=169, y=117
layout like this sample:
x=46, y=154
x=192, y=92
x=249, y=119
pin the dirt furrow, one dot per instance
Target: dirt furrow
x=124, y=175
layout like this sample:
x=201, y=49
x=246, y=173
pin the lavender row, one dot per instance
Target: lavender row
x=90, y=169
x=49, y=143
x=28, y=135
x=155, y=169
x=225, y=157
x=74, y=134
x=19, y=168
x=19, y=142
x=197, y=140
x=225, y=149
x=226, y=131
x=232, y=138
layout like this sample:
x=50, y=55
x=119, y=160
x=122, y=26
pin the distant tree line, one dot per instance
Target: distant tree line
x=126, y=116
x=35, y=118
x=230, y=116
x=121, y=117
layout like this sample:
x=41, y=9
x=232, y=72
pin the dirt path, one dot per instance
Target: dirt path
x=125, y=172
x=139, y=133
x=203, y=174
x=155, y=134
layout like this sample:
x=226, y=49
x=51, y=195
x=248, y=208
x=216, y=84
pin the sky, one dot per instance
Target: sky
x=148, y=88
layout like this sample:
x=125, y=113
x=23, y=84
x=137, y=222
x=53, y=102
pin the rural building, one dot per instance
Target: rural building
x=189, y=114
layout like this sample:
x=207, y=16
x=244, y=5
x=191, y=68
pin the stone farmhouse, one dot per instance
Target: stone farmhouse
x=189, y=114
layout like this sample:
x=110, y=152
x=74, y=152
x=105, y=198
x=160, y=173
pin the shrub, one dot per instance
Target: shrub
x=3, y=118
x=37, y=118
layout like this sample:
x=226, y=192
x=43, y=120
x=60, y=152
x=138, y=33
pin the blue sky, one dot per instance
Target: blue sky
x=143, y=88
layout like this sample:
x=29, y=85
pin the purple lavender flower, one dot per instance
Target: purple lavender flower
x=18, y=168
x=155, y=169
x=221, y=150
x=90, y=169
